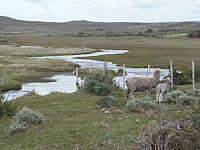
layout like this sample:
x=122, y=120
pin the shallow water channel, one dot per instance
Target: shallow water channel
x=67, y=83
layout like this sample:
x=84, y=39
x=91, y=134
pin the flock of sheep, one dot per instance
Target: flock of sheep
x=139, y=84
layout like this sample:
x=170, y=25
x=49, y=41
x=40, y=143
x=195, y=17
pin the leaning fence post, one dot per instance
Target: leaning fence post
x=148, y=71
x=193, y=76
x=124, y=76
x=76, y=75
x=171, y=73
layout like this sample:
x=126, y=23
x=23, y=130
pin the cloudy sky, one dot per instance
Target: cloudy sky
x=102, y=10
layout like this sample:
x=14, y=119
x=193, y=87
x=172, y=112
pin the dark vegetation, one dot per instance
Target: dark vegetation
x=6, y=108
x=185, y=76
x=194, y=34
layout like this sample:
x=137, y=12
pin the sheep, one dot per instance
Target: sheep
x=162, y=89
x=139, y=84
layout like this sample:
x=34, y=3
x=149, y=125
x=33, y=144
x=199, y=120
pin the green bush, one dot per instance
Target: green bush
x=102, y=89
x=138, y=105
x=99, y=84
x=107, y=102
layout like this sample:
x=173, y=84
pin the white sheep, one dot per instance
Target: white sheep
x=162, y=90
x=139, y=84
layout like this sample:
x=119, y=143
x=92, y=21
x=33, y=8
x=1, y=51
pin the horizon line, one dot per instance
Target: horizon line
x=85, y=20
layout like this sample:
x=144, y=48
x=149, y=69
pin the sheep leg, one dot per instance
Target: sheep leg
x=157, y=97
x=161, y=97
x=149, y=93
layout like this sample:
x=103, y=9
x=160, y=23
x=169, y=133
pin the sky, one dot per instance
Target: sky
x=102, y=10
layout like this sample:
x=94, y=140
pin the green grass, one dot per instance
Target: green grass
x=73, y=121
x=152, y=51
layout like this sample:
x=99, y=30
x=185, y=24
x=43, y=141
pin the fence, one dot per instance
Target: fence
x=171, y=73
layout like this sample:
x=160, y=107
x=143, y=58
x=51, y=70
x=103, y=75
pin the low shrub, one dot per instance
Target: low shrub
x=180, y=98
x=139, y=105
x=196, y=92
x=186, y=101
x=107, y=102
x=16, y=127
x=27, y=116
x=147, y=99
x=173, y=96
x=24, y=118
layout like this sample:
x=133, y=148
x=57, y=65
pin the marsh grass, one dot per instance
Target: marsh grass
x=21, y=69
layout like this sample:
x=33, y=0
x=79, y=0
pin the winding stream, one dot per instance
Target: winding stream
x=67, y=83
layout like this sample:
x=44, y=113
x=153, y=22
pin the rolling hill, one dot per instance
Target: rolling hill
x=88, y=28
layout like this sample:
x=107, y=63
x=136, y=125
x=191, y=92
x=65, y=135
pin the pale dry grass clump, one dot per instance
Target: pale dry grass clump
x=25, y=118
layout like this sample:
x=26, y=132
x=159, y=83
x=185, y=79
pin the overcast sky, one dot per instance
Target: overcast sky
x=102, y=10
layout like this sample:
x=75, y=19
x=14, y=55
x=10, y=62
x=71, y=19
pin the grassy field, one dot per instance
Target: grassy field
x=74, y=121
x=19, y=68
x=143, y=51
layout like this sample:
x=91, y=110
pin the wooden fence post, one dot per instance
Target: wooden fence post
x=104, y=68
x=193, y=76
x=148, y=71
x=76, y=75
x=124, y=76
x=4, y=73
x=171, y=73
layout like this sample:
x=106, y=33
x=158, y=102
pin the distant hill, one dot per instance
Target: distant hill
x=87, y=28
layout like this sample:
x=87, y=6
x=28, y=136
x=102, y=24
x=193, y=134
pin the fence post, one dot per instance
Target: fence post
x=104, y=68
x=90, y=70
x=76, y=75
x=171, y=73
x=193, y=76
x=4, y=73
x=124, y=76
x=148, y=71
